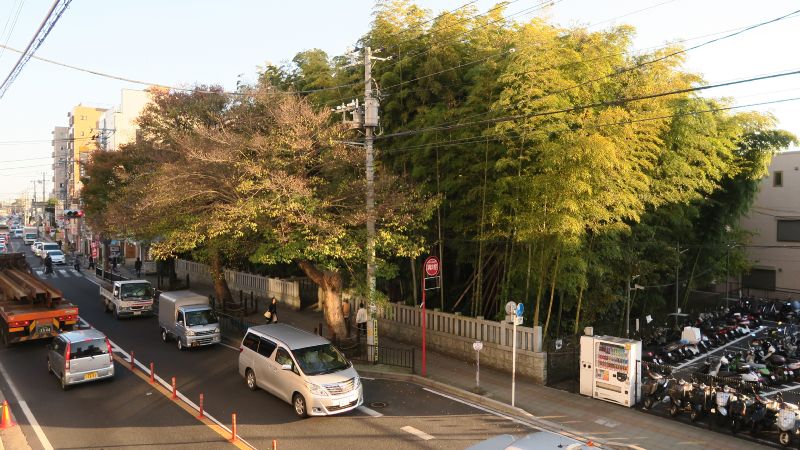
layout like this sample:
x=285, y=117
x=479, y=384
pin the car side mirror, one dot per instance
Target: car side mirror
x=180, y=322
x=286, y=367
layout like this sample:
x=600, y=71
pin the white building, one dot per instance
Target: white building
x=118, y=125
x=774, y=249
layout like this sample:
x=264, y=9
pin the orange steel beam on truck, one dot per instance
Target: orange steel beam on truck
x=53, y=295
x=10, y=289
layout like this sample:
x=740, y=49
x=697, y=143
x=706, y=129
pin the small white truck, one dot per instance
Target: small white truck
x=127, y=298
x=188, y=318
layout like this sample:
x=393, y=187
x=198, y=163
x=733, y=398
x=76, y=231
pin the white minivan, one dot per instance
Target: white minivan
x=301, y=368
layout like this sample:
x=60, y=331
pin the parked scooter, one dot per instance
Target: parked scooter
x=680, y=395
x=655, y=389
x=722, y=406
x=787, y=423
x=703, y=401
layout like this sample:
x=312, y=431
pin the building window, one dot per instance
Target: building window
x=788, y=230
x=777, y=178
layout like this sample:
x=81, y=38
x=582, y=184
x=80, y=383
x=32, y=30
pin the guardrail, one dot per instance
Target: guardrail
x=231, y=325
x=390, y=356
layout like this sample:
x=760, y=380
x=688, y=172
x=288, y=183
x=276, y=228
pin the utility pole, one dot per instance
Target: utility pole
x=367, y=118
x=677, y=281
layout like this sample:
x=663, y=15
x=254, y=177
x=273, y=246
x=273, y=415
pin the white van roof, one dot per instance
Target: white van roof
x=291, y=337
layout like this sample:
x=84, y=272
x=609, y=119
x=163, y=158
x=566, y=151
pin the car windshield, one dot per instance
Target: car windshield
x=30, y=236
x=202, y=317
x=55, y=253
x=85, y=349
x=137, y=290
x=320, y=359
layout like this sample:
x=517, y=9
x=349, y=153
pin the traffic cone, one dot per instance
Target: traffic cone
x=6, y=414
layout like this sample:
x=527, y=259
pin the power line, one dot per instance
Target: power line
x=36, y=41
x=13, y=25
x=636, y=66
x=497, y=136
x=616, y=102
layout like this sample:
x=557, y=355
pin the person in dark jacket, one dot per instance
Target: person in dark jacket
x=272, y=311
x=138, y=267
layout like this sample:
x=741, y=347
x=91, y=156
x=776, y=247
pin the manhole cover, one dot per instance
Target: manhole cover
x=377, y=405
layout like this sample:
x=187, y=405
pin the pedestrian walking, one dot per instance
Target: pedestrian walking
x=272, y=311
x=361, y=320
x=346, y=314
x=91, y=262
x=138, y=267
x=48, y=264
x=113, y=264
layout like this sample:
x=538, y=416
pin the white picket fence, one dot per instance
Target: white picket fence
x=285, y=291
x=490, y=331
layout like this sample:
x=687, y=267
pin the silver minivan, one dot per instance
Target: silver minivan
x=300, y=368
x=80, y=356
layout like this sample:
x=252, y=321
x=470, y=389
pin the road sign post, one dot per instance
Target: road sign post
x=478, y=346
x=518, y=314
x=430, y=270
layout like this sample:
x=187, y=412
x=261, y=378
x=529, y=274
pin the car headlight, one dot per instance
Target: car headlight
x=190, y=332
x=216, y=330
x=356, y=382
x=316, y=389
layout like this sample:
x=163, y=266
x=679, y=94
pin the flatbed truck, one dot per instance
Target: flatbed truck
x=29, y=308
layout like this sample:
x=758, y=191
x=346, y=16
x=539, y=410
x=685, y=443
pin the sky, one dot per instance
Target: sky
x=185, y=42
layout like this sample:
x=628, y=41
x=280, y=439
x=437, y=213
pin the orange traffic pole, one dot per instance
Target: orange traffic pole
x=152, y=373
x=274, y=444
x=174, y=389
x=233, y=427
x=5, y=422
x=201, y=407
x=133, y=365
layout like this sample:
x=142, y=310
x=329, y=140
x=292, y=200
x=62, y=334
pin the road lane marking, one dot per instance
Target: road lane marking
x=418, y=433
x=166, y=389
x=37, y=429
x=229, y=346
x=369, y=411
x=63, y=272
x=723, y=347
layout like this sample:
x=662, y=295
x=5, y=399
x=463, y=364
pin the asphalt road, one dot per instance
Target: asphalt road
x=396, y=415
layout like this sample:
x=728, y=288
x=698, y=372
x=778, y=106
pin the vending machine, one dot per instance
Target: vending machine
x=611, y=369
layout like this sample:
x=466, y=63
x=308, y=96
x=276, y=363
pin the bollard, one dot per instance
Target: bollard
x=274, y=444
x=5, y=420
x=201, y=407
x=174, y=389
x=152, y=373
x=133, y=365
x=233, y=427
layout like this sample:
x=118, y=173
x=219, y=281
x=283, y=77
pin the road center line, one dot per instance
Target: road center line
x=37, y=429
x=369, y=411
x=146, y=370
x=420, y=434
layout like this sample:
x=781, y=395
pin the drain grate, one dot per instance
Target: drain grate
x=377, y=405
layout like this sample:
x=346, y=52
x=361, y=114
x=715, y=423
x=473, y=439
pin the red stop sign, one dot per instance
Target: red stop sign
x=432, y=266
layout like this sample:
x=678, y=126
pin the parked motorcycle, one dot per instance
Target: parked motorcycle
x=655, y=389
x=680, y=395
x=787, y=423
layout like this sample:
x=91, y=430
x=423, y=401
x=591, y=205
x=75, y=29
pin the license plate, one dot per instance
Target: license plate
x=90, y=376
x=137, y=313
x=45, y=329
x=346, y=401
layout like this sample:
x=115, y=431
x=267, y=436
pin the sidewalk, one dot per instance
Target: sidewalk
x=12, y=438
x=611, y=425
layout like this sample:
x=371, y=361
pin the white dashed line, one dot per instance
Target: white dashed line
x=420, y=434
x=37, y=429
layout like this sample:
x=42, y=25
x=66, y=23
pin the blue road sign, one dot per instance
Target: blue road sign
x=520, y=309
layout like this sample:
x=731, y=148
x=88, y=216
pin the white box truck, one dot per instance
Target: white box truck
x=187, y=317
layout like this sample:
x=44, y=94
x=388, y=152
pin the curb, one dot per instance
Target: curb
x=13, y=437
x=495, y=405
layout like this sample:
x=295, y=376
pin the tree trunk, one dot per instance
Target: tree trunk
x=578, y=313
x=331, y=284
x=539, y=288
x=552, y=293
x=414, y=284
x=221, y=289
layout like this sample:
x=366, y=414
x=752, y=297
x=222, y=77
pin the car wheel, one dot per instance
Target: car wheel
x=300, y=407
x=115, y=312
x=64, y=385
x=673, y=410
x=180, y=344
x=164, y=335
x=106, y=306
x=250, y=377
x=648, y=403
x=785, y=439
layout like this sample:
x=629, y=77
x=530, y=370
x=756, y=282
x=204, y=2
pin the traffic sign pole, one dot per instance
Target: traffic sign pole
x=430, y=269
x=424, y=327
